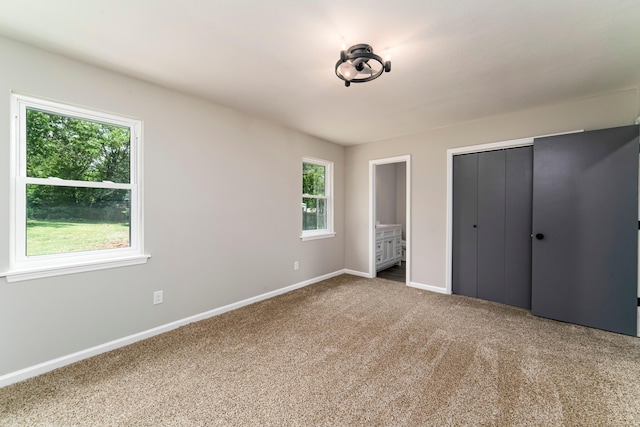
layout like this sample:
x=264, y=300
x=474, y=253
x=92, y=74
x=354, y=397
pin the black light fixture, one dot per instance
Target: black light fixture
x=359, y=64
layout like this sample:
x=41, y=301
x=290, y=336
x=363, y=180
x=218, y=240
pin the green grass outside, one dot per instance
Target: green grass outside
x=54, y=237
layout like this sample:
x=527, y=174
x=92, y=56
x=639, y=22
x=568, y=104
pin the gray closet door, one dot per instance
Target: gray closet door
x=465, y=236
x=585, y=225
x=491, y=221
x=491, y=251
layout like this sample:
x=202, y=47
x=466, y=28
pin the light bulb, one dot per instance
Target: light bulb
x=347, y=70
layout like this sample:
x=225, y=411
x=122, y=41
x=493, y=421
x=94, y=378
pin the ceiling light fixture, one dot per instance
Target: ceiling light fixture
x=359, y=64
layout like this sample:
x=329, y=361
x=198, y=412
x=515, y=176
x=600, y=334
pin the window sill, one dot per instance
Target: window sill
x=71, y=268
x=316, y=236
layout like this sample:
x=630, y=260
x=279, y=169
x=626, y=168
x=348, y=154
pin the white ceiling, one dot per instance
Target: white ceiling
x=452, y=61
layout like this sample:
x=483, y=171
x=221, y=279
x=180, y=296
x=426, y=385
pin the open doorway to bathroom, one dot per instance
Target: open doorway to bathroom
x=390, y=214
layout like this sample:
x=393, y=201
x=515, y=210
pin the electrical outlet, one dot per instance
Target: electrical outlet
x=157, y=297
x=296, y=265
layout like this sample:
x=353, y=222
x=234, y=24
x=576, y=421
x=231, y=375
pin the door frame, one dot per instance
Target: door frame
x=513, y=143
x=372, y=212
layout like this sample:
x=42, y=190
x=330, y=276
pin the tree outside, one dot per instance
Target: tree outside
x=67, y=148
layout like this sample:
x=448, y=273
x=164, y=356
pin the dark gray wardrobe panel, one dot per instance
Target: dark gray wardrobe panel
x=585, y=215
x=465, y=239
x=518, y=205
x=491, y=225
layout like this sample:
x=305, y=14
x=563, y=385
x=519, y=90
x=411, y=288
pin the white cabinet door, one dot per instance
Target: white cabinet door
x=388, y=246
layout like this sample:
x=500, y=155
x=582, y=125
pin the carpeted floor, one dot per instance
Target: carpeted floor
x=348, y=351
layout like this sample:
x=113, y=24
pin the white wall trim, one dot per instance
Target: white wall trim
x=431, y=288
x=522, y=142
x=372, y=211
x=72, y=268
x=50, y=365
x=358, y=273
x=307, y=237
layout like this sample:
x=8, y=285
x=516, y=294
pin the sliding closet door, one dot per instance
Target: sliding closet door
x=465, y=236
x=585, y=220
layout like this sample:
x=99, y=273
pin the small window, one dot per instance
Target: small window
x=76, y=188
x=317, y=199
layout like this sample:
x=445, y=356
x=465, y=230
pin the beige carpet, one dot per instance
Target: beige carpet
x=348, y=351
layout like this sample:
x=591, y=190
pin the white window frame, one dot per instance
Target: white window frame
x=328, y=190
x=23, y=267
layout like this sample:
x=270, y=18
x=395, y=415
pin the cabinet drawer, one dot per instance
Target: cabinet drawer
x=388, y=233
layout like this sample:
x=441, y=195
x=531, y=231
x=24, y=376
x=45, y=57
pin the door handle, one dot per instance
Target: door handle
x=540, y=236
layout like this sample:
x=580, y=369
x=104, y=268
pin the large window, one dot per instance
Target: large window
x=76, y=189
x=317, y=199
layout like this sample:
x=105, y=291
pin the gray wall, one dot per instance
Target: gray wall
x=386, y=193
x=222, y=214
x=428, y=152
x=391, y=199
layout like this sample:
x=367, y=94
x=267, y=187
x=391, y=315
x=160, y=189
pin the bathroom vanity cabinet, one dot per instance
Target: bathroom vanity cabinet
x=388, y=245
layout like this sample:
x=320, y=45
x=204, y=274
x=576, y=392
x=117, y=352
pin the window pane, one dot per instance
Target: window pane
x=71, y=219
x=314, y=214
x=76, y=149
x=313, y=179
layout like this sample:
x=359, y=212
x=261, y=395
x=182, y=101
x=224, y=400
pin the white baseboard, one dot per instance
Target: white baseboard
x=431, y=288
x=50, y=365
x=357, y=273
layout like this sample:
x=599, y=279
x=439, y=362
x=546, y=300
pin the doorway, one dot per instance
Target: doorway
x=390, y=218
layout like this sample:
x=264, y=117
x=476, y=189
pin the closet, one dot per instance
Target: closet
x=553, y=227
x=492, y=225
